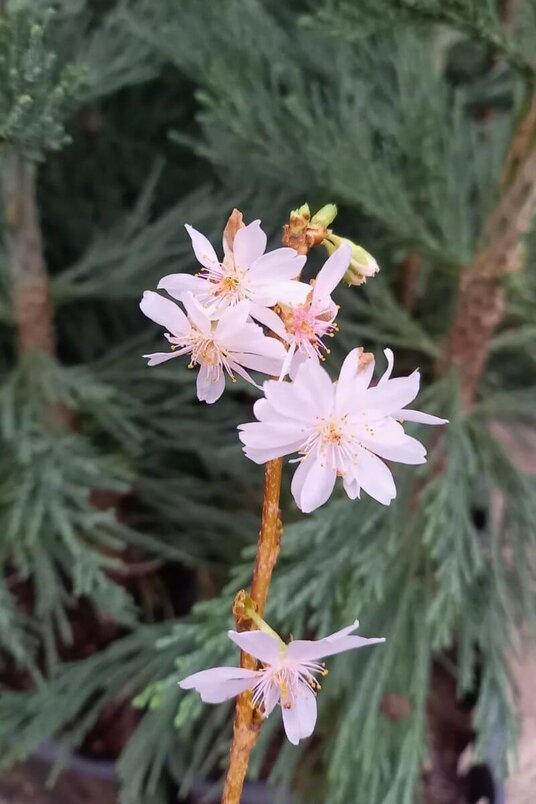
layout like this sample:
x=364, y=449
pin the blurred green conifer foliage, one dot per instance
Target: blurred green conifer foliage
x=402, y=112
x=99, y=463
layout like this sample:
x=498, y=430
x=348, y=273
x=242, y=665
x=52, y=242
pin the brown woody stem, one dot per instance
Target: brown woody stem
x=481, y=296
x=247, y=722
x=32, y=309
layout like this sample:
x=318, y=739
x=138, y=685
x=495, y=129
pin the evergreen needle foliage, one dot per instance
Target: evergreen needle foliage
x=401, y=112
x=36, y=94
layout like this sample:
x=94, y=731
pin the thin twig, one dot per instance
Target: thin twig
x=248, y=720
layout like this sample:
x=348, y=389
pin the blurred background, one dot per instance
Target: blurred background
x=128, y=514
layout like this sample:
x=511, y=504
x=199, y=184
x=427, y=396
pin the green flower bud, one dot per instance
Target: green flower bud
x=362, y=265
x=325, y=216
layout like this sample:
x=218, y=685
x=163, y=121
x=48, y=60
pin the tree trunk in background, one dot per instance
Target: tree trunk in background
x=30, y=287
x=481, y=298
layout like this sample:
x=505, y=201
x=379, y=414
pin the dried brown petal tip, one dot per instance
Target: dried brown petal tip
x=365, y=359
x=235, y=222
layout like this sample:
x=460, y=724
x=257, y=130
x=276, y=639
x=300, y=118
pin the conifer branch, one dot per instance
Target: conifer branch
x=481, y=296
x=478, y=21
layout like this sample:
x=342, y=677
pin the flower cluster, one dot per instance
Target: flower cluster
x=250, y=312
x=227, y=304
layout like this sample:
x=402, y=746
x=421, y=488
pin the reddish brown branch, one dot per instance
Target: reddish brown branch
x=248, y=720
x=481, y=296
x=408, y=277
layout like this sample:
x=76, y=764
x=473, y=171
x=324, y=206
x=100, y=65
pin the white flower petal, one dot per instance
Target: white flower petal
x=312, y=483
x=375, y=477
x=179, y=284
x=390, y=363
x=251, y=338
x=265, y=364
x=269, y=319
x=209, y=388
x=263, y=455
x=271, y=698
x=236, y=368
x=160, y=357
x=392, y=395
x=165, y=312
x=197, y=314
x=408, y=450
x=203, y=249
x=291, y=401
x=331, y=274
x=308, y=651
x=287, y=362
x=276, y=266
x=264, y=412
x=299, y=719
x=261, y=435
x=258, y=644
x=249, y=244
x=292, y=292
x=383, y=431
x=298, y=359
x=314, y=382
x=232, y=322
x=408, y=415
x=305, y=650
x=353, y=380
x=351, y=486
x=220, y=683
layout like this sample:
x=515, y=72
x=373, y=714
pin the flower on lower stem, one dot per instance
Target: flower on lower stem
x=229, y=345
x=287, y=677
x=340, y=429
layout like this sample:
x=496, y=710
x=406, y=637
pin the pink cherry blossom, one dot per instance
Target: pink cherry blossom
x=342, y=428
x=229, y=345
x=308, y=323
x=246, y=273
x=287, y=677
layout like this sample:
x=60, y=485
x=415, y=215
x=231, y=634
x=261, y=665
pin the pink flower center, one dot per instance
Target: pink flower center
x=308, y=326
x=282, y=681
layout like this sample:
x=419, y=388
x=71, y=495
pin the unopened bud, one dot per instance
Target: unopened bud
x=325, y=216
x=300, y=219
x=362, y=264
x=303, y=232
